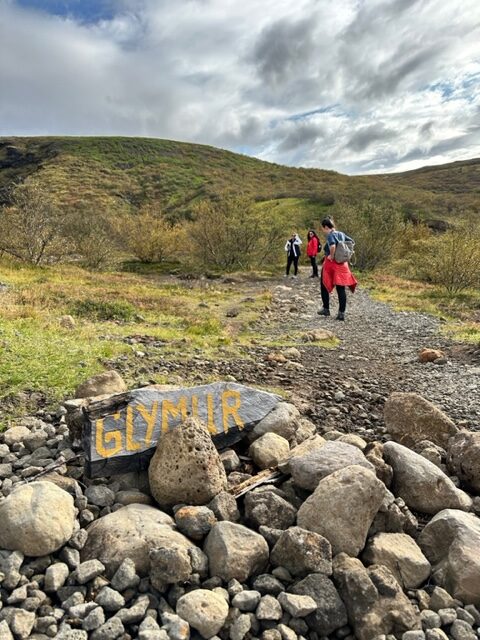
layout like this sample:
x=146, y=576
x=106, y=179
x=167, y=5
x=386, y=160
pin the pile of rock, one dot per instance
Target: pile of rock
x=358, y=540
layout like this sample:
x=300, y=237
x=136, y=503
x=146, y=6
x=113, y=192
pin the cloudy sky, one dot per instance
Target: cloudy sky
x=358, y=86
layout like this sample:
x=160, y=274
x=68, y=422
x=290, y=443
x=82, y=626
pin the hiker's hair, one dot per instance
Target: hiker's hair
x=328, y=222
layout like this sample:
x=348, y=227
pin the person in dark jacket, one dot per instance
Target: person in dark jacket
x=292, y=247
x=313, y=247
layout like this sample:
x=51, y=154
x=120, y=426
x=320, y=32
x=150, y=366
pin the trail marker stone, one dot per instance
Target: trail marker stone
x=120, y=433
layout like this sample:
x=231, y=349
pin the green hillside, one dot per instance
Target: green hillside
x=127, y=173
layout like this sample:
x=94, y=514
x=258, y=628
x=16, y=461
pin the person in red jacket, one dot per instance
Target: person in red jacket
x=313, y=247
x=334, y=275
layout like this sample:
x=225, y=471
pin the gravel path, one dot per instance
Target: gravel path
x=378, y=351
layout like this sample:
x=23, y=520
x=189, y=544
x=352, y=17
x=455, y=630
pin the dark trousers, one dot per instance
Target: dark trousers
x=313, y=262
x=342, y=297
x=294, y=259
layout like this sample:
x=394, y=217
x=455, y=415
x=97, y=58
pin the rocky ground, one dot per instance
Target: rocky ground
x=369, y=532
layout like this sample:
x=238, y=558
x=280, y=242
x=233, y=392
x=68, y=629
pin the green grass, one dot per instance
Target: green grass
x=460, y=313
x=37, y=354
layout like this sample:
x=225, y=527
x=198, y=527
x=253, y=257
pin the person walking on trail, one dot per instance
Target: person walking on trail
x=292, y=247
x=313, y=247
x=334, y=274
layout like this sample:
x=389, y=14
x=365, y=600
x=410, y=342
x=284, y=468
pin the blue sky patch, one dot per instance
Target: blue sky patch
x=88, y=11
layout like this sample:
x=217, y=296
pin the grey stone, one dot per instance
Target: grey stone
x=176, y=628
x=375, y=601
x=330, y=614
x=309, y=469
x=461, y=630
x=267, y=583
x=296, y=605
x=195, y=521
x=56, y=576
x=302, y=552
x=88, y=570
x=235, y=552
x=401, y=554
x=246, y=600
x=204, y=610
x=240, y=627
x=343, y=507
x=409, y=418
x=265, y=507
x=224, y=507
x=169, y=564
x=430, y=619
x=37, y=519
x=94, y=619
x=110, y=599
x=107, y=382
x=130, y=533
x=100, y=495
x=125, y=576
x=20, y=622
x=463, y=458
x=186, y=467
x=136, y=612
x=447, y=616
x=5, y=632
x=269, y=450
x=451, y=541
x=283, y=420
x=268, y=609
x=422, y=485
x=111, y=630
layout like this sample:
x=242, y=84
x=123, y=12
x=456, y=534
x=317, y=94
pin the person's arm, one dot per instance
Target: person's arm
x=287, y=245
x=332, y=245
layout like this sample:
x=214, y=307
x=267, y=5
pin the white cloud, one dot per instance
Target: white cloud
x=356, y=85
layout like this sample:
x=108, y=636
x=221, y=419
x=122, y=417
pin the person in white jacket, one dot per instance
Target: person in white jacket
x=292, y=247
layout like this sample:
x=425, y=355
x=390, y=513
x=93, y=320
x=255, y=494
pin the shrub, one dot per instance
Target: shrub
x=149, y=237
x=92, y=233
x=32, y=226
x=120, y=311
x=375, y=227
x=453, y=260
x=232, y=234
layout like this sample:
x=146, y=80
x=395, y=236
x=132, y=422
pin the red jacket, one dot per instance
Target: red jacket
x=312, y=247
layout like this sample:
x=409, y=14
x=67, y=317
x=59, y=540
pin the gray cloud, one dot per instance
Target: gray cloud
x=361, y=87
x=366, y=136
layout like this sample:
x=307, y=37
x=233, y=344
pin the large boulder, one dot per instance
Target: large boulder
x=409, y=419
x=308, y=469
x=235, y=552
x=463, y=458
x=284, y=420
x=131, y=532
x=204, y=610
x=451, y=542
x=343, y=507
x=422, y=485
x=106, y=383
x=402, y=555
x=36, y=519
x=186, y=467
x=313, y=442
x=330, y=613
x=375, y=601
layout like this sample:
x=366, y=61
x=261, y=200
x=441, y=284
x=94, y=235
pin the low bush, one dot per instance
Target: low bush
x=119, y=311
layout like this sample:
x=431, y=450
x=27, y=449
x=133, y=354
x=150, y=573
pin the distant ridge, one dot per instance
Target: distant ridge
x=133, y=172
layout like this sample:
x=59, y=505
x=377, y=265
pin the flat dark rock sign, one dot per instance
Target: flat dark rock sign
x=121, y=434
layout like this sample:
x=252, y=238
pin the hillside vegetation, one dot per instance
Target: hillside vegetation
x=129, y=173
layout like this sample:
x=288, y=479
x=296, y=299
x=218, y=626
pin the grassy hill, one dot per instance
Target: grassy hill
x=127, y=173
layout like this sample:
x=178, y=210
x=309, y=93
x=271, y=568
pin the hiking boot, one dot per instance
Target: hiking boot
x=341, y=315
x=324, y=312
